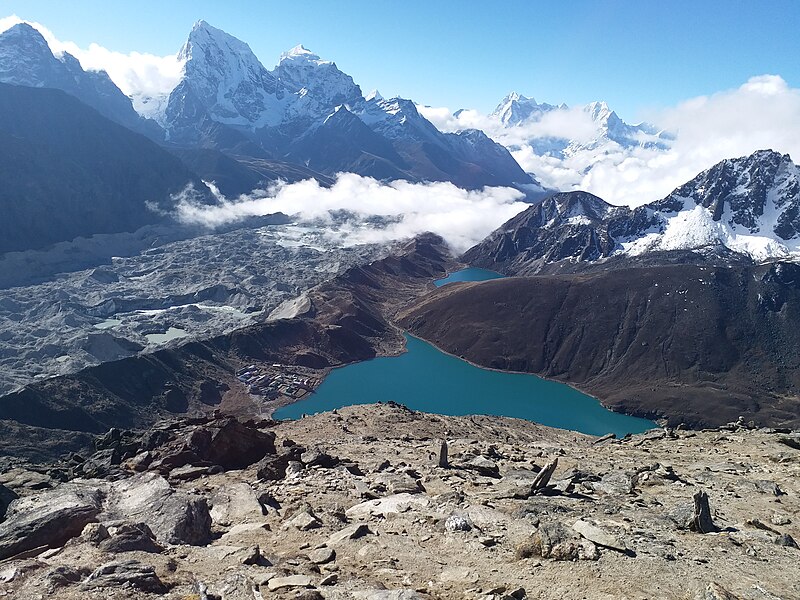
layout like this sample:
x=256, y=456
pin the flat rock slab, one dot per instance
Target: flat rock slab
x=351, y=532
x=277, y=583
x=321, y=556
x=598, y=536
x=235, y=503
x=305, y=521
x=396, y=503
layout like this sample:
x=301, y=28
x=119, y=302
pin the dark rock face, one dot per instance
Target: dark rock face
x=66, y=171
x=700, y=345
x=130, y=538
x=6, y=498
x=737, y=191
x=231, y=444
x=48, y=519
x=27, y=60
x=575, y=226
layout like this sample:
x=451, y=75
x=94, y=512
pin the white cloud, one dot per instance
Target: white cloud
x=461, y=217
x=134, y=73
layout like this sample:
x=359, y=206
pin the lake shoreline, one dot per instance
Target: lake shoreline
x=538, y=410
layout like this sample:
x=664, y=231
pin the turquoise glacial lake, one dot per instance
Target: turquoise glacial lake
x=425, y=378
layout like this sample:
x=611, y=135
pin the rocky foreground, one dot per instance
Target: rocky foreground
x=380, y=502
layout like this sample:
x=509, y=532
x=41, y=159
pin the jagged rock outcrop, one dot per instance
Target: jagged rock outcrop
x=48, y=519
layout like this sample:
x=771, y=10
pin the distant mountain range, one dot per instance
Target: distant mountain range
x=232, y=121
x=305, y=111
x=746, y=208
x=518, y=112
x=309, y=113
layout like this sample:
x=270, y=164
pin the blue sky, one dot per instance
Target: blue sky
x=637, y=55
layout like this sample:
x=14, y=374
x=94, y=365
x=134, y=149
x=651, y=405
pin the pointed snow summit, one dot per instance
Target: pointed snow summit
x=300, y=69
x=516, y=109
x=223, y=80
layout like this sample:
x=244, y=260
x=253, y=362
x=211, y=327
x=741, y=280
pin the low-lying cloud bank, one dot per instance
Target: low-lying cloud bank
x=762, y=113
x=357, y=210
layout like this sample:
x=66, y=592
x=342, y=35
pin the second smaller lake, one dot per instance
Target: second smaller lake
x=468, y=274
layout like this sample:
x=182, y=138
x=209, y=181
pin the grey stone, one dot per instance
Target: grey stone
x=399, y=483
x=785, y=539
x=482, y=466
x=321, y=556
x=117, y=574
x=174, y=517
x=701, y=520
x=457, y=523
x=277, y=583
x=48, y=518
x=62, y=576
x=442, y=459
x=95, y=533
x=305, y=521
x=129, y=538
x=779, y=519
x=330, y=579
x=598, y=536
x=554, y=540
x=236, y=586
x=765, y=486
x=235, y=503
x=615, y=484
x=543, y=478
x=351, y=532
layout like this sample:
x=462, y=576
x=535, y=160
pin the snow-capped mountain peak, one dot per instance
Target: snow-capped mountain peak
x=223, y=79
x=747, y=207
x=515, y=109
x=26, y=58
x=325, y=84
x=300, y=52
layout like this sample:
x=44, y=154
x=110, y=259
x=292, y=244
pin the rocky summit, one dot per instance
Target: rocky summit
x=381, y=502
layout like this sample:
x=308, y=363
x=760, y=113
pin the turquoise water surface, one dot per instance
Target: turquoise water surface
x=469, y=274
x=426, y=379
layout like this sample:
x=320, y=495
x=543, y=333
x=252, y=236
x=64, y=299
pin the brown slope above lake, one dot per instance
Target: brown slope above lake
x=692, y=344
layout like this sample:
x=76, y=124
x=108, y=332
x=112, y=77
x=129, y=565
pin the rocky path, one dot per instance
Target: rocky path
x=380, y=502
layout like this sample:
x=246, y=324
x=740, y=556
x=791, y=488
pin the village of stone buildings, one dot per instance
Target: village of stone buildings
x=275, y=381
